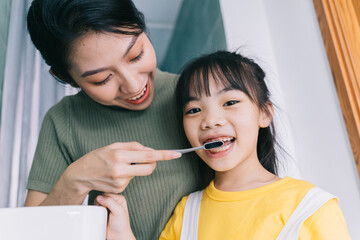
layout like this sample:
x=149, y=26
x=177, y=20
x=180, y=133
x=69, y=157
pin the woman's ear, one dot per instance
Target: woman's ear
x=55, y=75
x=61, y=78
x=266, y=115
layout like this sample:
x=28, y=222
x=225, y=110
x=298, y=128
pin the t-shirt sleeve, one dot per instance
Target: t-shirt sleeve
x=172, y=229
x=327, y=222
x=50, y=159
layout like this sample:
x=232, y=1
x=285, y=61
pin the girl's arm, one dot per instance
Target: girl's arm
x=107, y=169
x=118, y=226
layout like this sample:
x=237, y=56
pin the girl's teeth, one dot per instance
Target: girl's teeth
x=220, y=149
x=227, y=143
x=228, y=139
x=138, y=96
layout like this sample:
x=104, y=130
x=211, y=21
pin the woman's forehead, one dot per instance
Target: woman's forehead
x=96, y=50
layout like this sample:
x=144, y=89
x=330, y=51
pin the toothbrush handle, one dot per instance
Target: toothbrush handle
x=187, y=149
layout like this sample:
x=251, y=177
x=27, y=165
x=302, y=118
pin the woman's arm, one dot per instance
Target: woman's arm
x=107, y=169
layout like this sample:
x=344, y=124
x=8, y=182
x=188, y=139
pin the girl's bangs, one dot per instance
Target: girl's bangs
x=198, y=82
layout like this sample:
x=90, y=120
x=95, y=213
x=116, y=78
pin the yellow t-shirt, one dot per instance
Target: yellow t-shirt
x=259, y=214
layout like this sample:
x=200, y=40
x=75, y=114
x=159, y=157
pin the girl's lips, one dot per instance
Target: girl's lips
x=142, y=97
x=221, y=151
x=223, y=138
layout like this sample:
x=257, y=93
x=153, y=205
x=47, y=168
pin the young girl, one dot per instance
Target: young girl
x=223, y=96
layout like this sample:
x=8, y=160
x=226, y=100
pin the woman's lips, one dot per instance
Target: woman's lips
x=141, y=97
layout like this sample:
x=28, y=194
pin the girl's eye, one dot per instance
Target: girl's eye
x=104, y=81
x=193, y=111
x=231, y=102
x=138, y=57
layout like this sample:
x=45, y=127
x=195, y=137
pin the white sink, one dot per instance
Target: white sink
x=53, y=223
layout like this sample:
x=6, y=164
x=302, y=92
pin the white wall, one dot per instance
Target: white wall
x=285, y=39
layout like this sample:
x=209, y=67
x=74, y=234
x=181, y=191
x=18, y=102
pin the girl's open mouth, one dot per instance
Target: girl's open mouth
x=142, y=96
x=228, y=141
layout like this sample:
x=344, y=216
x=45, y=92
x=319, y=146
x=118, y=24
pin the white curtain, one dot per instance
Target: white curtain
x=28, y=92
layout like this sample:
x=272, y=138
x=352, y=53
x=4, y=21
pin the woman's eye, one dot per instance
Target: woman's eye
x=193, y=111
x=138, y=57
x=231, y=102
x=104, y=81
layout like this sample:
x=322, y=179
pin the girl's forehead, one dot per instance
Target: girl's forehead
x=208, y=87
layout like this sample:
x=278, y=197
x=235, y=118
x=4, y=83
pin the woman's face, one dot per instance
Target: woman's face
x=115, y=69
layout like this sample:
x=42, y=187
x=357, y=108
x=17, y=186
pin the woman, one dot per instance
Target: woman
x=90, y=142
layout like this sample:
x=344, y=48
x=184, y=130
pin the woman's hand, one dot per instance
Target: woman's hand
x=107, y=169
x=110, y=169
x=118, y=226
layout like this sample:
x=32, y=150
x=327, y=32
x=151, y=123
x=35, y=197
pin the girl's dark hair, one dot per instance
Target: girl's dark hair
x=54, y=25
x=234, y=71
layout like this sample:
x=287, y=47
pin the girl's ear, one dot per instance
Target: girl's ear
x=266, y=116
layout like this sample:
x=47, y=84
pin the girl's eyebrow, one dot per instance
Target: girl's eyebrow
x=222, y=91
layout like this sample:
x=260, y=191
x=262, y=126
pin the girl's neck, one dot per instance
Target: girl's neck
x=242, y=178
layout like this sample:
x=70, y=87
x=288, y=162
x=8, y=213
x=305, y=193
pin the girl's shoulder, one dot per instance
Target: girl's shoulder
x=293, y=186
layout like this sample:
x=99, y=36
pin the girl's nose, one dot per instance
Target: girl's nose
x=213, y=121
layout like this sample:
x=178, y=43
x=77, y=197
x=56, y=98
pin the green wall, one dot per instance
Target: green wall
x=199, y=29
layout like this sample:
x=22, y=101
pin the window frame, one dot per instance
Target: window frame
x=339, y=22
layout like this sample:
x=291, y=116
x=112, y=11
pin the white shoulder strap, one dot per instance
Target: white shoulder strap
x=312, y=201
x=189, y=227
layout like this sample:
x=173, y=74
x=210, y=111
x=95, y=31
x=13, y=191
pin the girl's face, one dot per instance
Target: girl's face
x=228, y=115
x=115, y=69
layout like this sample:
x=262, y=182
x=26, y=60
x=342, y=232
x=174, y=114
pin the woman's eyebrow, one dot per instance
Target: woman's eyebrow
x=92, y=72
x=132, y=43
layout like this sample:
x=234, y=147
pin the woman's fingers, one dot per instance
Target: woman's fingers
x=146, y=156
x=141, y=169
x=134, y=152
x=128, y=146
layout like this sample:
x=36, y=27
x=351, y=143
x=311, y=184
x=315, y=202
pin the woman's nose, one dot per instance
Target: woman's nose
x=130, y=83
x=213, y=121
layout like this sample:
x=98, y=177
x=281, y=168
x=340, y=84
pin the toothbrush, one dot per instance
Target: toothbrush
x=206, y=146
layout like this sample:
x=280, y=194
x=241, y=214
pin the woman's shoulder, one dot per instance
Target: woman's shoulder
x=68, y=104
x=165, y=77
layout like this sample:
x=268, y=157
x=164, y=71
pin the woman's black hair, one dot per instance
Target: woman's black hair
x=235, y=71
x=54, y=25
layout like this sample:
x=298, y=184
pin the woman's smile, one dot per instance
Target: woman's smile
x=140, y=97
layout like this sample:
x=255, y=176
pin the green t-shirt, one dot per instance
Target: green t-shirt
x=77, y=125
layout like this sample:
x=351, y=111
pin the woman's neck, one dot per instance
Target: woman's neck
x=245, y=177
